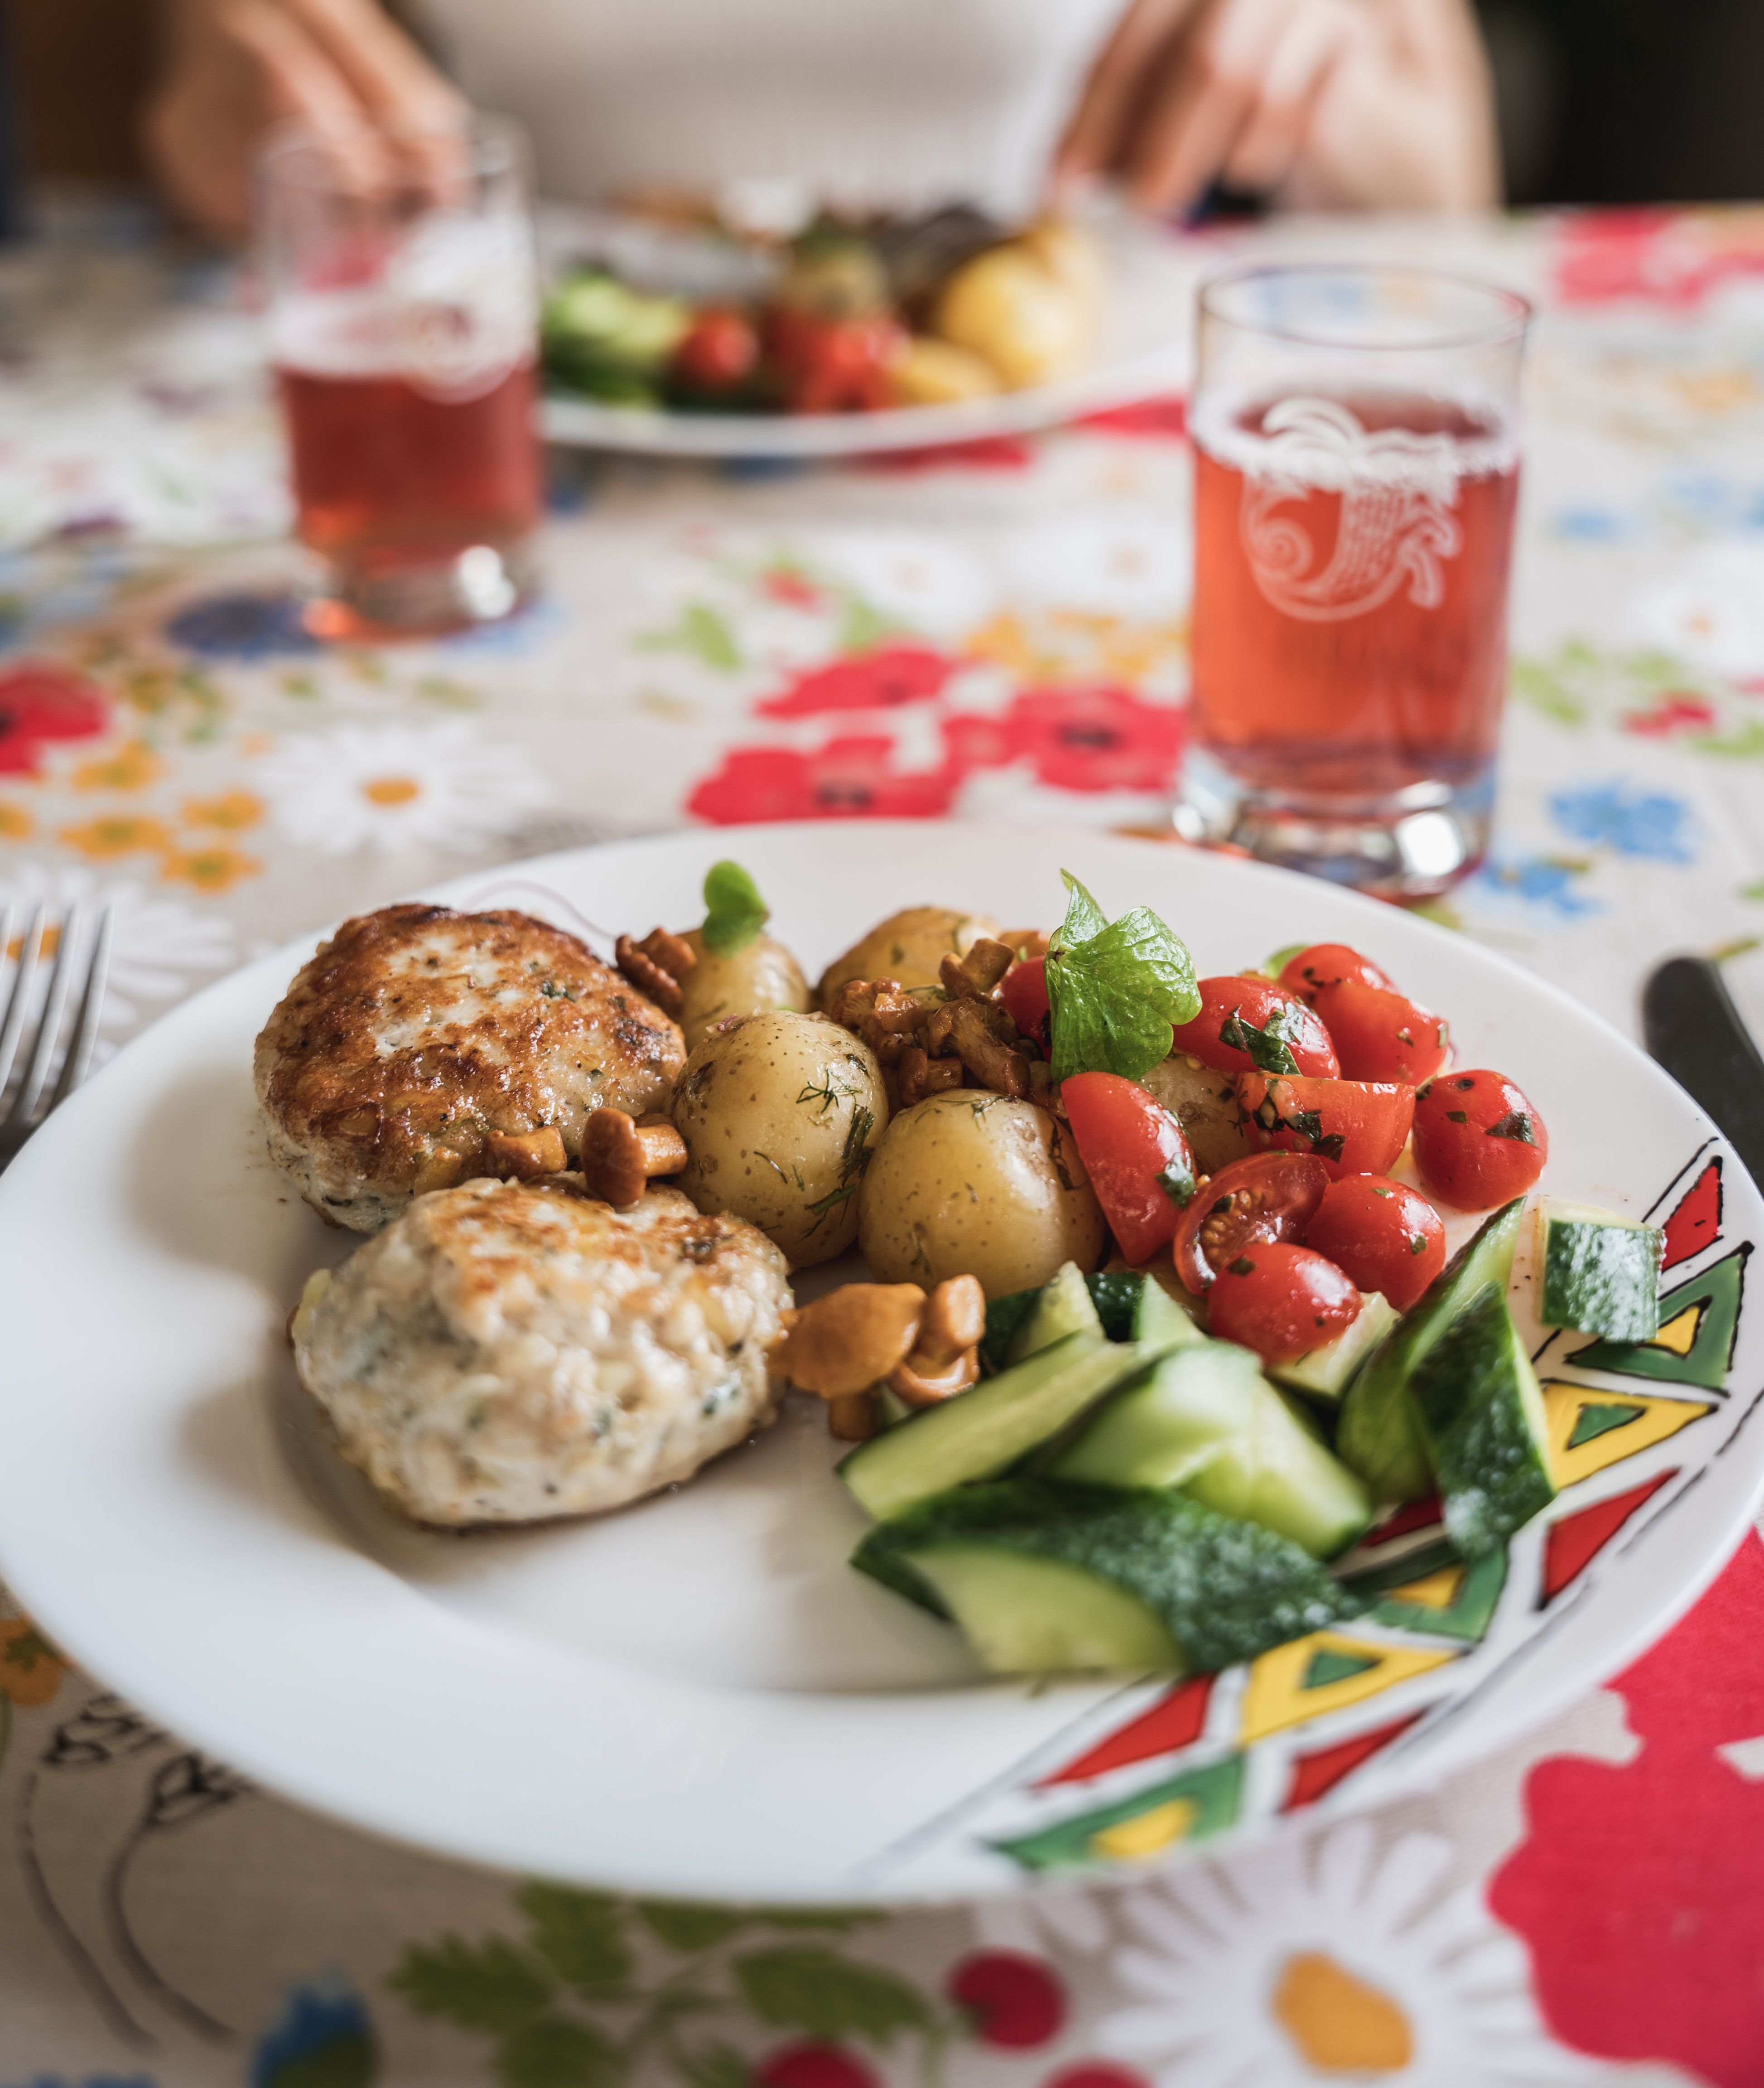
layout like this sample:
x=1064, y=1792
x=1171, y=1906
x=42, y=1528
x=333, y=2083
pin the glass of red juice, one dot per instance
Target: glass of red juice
x=1356, y=465
x=403, y=316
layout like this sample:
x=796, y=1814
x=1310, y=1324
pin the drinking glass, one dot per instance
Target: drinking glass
x=1356, y=470
x=403, y=311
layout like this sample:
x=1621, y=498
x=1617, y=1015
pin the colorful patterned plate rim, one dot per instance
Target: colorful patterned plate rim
x=696, y=1697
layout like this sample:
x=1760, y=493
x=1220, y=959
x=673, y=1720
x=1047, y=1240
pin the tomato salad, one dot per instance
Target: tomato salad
x=1165, y=1449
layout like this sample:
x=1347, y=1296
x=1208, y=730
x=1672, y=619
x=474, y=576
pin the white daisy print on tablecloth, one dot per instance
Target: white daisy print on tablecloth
x=1058, y=1920
x=393, y=787
x=159, y=945
x=1309, y=1961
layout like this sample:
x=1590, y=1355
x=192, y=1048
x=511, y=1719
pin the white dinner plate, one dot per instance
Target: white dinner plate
x=1145, y=351
x=696, y=1697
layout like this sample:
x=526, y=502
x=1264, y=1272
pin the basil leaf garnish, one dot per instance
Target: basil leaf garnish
x=1266, y=1046
x=1514, y=1124
x=734, y=913
x=1115, y=989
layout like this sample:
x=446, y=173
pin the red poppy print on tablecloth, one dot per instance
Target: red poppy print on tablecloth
x=1637, y=1889
x=1665, y=257
x=1675, y=712
x=885, y=679
x=989, y=453
x=1164, y=419
x=1011, y=1999
x=1074, y=739
x=41, y=703
x=850, y=778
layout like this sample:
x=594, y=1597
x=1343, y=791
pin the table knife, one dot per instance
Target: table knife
x=1692, y=1027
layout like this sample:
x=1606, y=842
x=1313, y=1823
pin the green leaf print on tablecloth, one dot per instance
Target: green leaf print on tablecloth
x=580, y=2000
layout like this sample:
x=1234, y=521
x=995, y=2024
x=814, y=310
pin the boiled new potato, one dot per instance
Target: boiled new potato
x=779, y=1112
x=937, y=373
x=908, y=946
x=1008, y=306
x=761, y=974
x=970, y=1184
x=1204, y=1102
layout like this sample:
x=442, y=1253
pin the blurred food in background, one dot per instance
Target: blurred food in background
x=848, y=316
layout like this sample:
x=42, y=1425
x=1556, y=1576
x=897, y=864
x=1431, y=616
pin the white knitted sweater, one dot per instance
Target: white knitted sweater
x=903, y=104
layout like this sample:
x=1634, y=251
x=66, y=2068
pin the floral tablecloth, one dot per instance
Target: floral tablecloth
x=998, y=631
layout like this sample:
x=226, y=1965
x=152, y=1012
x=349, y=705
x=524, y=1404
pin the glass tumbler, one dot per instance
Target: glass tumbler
x=403, y=315
x=1356, y=459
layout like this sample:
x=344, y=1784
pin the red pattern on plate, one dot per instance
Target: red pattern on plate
x=1314, y=1774
x=1576, y=1540
x=1638, y=1887
x=1696, y=1220
x=1174, y=1722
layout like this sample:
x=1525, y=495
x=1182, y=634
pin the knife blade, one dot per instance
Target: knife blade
x=1692, y=1027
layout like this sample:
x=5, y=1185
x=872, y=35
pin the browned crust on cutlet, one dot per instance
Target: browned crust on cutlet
x=574, y=1036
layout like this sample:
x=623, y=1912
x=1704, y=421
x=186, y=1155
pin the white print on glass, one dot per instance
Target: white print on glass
x=1398, y=493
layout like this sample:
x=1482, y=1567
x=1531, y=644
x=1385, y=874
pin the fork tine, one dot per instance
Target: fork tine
x=20, y=1004
x=79, y=1058
x=36, y=1072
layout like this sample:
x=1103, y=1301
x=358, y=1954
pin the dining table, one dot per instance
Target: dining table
x=995, y=630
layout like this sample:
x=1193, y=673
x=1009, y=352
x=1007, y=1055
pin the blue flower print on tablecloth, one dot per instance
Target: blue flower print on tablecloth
x=242, y=626
x=1544, y=883
x=1632, y=820
x=323, y=2037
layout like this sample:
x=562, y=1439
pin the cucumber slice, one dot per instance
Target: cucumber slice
x=1023, y=1615
x=1205, y=1418
x=1380, y=1436
x=1160, y=1321
x=1326, y=1373
x=1219, y=1590
x=1601, y=1272
x=980, y=1433
x=1060, y=1307
x=1115, y=1293
x=1482, y=1416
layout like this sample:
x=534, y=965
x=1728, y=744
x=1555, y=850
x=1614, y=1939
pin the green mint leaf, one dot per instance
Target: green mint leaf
x=554, y=2053
x=1177, y=1183
x=1267, y=1046
x=1083, y=917
x=1115, y=995
x=734, y=913
x=1242, y=1266
x=1514, y=1124
x=1418, y=1243
x=683, y=1925
x=581, y=1936
x=485, y=1986
x=805, y=1987
x=1308, y=1124
x=1457, y=1116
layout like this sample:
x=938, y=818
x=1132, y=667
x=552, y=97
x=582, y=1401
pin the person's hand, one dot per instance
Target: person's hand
x=1320, y=105
x=342, y=67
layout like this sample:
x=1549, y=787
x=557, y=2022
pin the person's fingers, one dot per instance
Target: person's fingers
x=1314, y=41
x=1187, y=130
x=387, y=72
x=1097, y=127
x=297, y=81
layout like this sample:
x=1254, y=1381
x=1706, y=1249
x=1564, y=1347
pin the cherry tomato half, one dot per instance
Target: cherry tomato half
x=1280, y=1300
x=720, y=350
x=1478, y=1141
x=1136, y=1155
x=1328, y=964
x=1269, y=1196
x=1023, y=990
x=1385, y=1235
x=1380, y=1034
x=1353, y=1127
x=1247, y=1025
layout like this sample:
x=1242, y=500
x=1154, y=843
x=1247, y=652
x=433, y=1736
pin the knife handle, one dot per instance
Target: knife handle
x=1693, y=1028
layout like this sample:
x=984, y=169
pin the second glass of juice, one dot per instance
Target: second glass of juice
x=404, y=313
x=1356, y=473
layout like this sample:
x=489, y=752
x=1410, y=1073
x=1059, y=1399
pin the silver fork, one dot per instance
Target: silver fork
x=24, y=1116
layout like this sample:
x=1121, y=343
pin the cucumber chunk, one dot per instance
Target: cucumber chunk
x=980, y=1433
x=1482, y=1416
x=1219, y=1590
x=1023, y=1615
x=1062, y=1307
x=1115, y=1293
x=1160, y=1321
x=1326, y=1373
x=1205, y=1419
x=1380, y=1434
x=1601, y=1272
x=1004, y=1317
